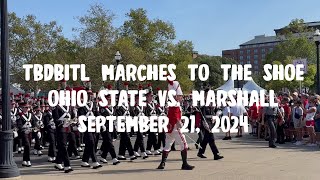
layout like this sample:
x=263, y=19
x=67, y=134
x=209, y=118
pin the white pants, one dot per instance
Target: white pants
x=175, y=136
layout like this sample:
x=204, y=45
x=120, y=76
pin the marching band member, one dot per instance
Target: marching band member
x=17, y=140
x=89, y=139
x=125, y=142
x=107, y=143
x=139, y=143
x=37, y=132
x=62, y=116
x=50, y=128
x=174, y=133
x=207, y=124
x=25, y=123
x=161, y=135
x=150, y=110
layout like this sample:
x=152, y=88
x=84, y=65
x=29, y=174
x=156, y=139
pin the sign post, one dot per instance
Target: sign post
x=305, y=68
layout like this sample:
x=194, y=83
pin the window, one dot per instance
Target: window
x=263, y=50
x=241, y=62
x=248, y=51
x=256, y=56
x=270, y=49
x=248, y=57
x=256, y=68
x=248, y=62
x=241, y=57
x=263, y=56
x=255, y=61
x=241, y=52
x=256, y=51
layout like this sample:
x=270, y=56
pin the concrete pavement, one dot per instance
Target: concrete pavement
x=245, y=158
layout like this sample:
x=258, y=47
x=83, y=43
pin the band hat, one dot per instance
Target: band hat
x=24, y=104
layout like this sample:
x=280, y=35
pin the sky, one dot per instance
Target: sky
x=212, y=25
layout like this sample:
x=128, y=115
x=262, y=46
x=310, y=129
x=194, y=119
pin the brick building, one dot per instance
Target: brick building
x=254, y=51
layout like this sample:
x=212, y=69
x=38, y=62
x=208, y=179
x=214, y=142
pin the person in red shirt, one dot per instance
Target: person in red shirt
x=289, y=126
x=254, y=117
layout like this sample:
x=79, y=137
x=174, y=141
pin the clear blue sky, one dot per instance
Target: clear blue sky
x=212, y=25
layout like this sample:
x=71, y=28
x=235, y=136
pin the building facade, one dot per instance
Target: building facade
x=254, y=51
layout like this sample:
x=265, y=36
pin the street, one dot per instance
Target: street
x=245, y=158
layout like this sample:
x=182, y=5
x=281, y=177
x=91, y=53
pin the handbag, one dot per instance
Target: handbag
x=296, y=115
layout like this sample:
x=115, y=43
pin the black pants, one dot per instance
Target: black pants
x=97, y=141
x=51, y=136
x=161, y=140
x=114, y=133
x=199, y=140
x=125, y=143
x=152, y=141
x=89, y=150
x=72, y=148
x=107, y=145
x=62, y=155
x=280, y=133
x=271, y=125
x=26, y=141
x=44, y=138
x=139, y=144
x=17, y=142
x=37, y=140
x=78, y=138
x=208, y=138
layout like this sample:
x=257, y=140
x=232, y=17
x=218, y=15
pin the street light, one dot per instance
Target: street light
x=118, y=58
x=316, y=38
x=8, y=168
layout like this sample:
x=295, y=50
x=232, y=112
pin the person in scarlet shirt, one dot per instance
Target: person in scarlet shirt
x=254, y=117
x=289, y=126
x=174, y=133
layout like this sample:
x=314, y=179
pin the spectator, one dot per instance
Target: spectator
x=317, y=119
x=297, y=120
x=310, y=113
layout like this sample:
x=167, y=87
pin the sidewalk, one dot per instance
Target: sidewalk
x=245, y=159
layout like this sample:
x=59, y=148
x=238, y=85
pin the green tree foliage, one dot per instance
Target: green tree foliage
x=216, y=72
x=153, y=36
x=296, y=43
x=30, y=40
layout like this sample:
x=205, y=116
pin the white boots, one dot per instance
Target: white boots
x=26, y=163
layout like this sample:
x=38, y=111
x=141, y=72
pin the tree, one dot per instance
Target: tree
x=295, y=44
x=66, y=52
x=29, y=39
x=216, y=73
x=153, y=36
x=96, y=37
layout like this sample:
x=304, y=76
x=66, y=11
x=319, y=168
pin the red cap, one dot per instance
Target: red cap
x=140, y=87
x=158, y=89
x=126, y=83
x=149, y=85
x=109, y=86
x=27, y=95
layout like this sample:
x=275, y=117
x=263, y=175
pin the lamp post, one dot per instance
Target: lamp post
x=317, y=41
x=118, y=58
x=8, y=168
